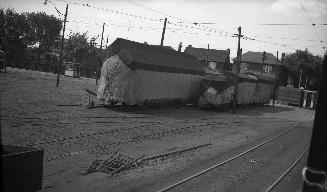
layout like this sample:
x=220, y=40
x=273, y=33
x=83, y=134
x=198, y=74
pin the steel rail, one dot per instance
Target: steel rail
x=287, y=171
x=228, y=160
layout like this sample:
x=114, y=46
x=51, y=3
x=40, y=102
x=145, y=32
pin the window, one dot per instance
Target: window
x=212, y=65
x=267, y=68
x=244, y=66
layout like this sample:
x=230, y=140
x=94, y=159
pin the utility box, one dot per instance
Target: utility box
x=22, y=168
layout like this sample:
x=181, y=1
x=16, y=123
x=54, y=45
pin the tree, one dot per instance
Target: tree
x=306, y=65
x=27, y=30
x=76, y=46
x=12, y=33
x=43, y=30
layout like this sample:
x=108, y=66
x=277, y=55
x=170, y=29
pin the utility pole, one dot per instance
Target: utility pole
x=300, y=79
x=264, y=57
x=275, y=82
x=208, y=56
x=237, y=68
x=62, y=45
x=99, y=57
x=163, y=32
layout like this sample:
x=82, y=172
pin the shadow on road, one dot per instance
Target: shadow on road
x=259, y=110
x=194, y=112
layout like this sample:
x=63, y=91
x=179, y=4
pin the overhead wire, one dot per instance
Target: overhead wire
x=208, y=30
x=312, y=23
x=321, y=15
x=245, y=37
x=109, y=10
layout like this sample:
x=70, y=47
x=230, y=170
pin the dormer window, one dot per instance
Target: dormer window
x=212, y=65
x=244, y=66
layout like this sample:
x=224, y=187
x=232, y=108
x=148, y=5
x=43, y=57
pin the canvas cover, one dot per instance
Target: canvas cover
x=119, y=83
x=250, y=89
x=155, y=58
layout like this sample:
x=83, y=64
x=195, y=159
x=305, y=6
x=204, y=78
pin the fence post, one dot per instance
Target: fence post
x=304, y=99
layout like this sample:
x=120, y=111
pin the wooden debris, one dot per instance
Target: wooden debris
x=115, y=163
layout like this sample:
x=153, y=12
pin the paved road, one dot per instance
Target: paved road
x=255, y=171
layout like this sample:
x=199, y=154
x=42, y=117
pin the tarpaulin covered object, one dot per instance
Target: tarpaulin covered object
x=119, y=83
x=155, y=58
x=138, y=73
x=250, y=89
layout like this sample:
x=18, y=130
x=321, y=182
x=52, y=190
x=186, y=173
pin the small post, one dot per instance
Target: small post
x=300, y=79
x=62, y=45
x=163, y=32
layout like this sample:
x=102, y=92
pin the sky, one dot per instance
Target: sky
x=143, y=20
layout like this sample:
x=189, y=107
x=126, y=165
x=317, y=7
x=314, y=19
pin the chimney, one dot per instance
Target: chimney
x=283, y=58
x=180, y=47
x=228, y=50
x=189, y=45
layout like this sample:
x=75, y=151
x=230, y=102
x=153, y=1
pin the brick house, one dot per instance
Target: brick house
x=251, y=62
x=212, y=59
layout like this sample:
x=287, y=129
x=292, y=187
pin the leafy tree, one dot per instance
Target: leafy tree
x=20, y=31
x=12, y=33
x=310, y=66
x=43, y=30
x=76, y=47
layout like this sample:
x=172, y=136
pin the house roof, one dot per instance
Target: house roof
x=256, y=57
x=155, y=58
x=166, y=47
x=202, y=53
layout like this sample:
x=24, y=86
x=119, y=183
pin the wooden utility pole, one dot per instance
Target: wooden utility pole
x=62, y=45
x=264, y=57
x=275, y=82
x=208, y=56
x=237, y=69
x=99, y=57
x=300, y=79
x=163, y=32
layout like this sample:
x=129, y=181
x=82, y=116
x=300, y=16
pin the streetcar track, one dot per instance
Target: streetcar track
x=86, y=135
x=115, y=130
x=276, y=182
x=138, y=138
x=227, y=160
x=128, y=140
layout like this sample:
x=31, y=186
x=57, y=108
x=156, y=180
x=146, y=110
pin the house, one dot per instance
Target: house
x=139, y=73
x=252, y=62
x=212, y=59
